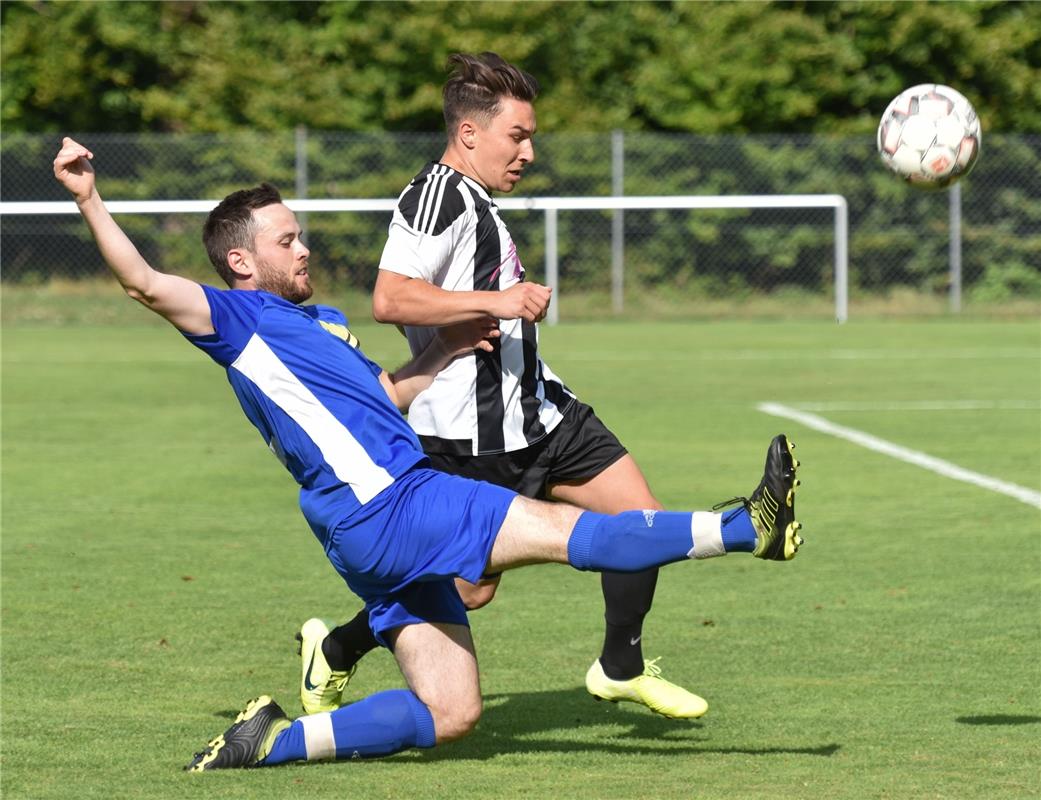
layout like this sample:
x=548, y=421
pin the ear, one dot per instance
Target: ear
x=241, y=263
x=467, y=134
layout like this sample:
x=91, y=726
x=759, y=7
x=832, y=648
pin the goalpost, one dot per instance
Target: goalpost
x=550, y=206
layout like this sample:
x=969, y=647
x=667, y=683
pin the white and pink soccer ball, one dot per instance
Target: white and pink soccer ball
x=929, y=136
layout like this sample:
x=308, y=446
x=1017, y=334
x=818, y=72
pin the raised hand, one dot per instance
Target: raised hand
x=73, y=170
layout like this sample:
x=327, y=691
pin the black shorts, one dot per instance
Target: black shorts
x=580, y=447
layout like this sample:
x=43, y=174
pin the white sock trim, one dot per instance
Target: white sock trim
x=706, y=532
x=318, y=736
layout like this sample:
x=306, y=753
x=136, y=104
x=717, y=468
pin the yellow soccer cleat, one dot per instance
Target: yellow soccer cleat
x=321, y=687
x=648, y=689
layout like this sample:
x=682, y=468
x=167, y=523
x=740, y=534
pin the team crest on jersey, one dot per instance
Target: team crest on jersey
x=340, y=332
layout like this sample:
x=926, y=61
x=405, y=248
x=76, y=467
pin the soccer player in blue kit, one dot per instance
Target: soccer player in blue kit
x=396, y=531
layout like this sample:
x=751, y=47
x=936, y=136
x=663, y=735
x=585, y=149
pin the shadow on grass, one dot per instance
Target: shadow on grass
x=569, y=721
x=999, y=719
x=527, y=721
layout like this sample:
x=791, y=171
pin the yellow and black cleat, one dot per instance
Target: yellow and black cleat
x=247, y=742
x=772, y=504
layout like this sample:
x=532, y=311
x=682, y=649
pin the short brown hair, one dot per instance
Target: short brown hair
x=231, y=225
x=477, y=85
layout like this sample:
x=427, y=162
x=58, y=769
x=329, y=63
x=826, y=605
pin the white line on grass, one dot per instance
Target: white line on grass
x=939, y=466
x=926, y=405
x=665, y=354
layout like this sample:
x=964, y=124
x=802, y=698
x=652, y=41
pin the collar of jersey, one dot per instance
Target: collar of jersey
x=480, y=188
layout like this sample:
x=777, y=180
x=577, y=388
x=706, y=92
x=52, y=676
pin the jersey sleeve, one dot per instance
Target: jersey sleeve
x=234, y=314
x=427, y=224
x=414, y=254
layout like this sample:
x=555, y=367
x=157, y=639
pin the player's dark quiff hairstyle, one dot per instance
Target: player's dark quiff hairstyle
x=477, y=85
x=231, y=225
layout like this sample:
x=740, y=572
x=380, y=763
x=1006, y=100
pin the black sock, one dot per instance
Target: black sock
x=345, y=645
x=627, y=599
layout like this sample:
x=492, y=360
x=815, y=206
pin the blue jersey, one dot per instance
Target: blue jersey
x=315, y=399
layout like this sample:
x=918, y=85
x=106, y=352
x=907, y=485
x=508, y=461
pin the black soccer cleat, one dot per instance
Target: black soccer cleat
x=772, y=504
x=248, y=741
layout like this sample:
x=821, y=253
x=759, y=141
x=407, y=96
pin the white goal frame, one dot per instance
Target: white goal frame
x=550, y=206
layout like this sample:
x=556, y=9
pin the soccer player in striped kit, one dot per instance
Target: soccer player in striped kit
x=501, y=415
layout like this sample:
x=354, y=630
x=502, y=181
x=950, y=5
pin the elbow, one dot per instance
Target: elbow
x=395, y=393
x=134, y=293
x=141, y=288
x=401, y=404
x=384, y=309
x=401, y=400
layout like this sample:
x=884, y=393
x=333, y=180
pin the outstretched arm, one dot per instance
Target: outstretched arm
x=405, y=383
x=177, y=299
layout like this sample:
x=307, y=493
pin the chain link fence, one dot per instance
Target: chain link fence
x=900, y=239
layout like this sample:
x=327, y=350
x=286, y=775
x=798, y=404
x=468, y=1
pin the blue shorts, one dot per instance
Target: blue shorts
x=402, y=550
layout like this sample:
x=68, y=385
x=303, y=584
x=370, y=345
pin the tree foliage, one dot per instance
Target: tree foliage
x=701, y=67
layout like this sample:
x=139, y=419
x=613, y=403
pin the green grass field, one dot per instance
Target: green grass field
x=155, y=568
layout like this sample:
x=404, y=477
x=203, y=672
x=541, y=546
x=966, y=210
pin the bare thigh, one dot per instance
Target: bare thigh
x=534, y=532
x=620, y=487
x=439, y=664
x=537, y=532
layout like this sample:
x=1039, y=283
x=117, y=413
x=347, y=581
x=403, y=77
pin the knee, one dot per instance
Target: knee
x=456, y=720
x=477, y=595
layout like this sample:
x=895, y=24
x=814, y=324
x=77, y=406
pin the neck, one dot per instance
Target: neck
x=456, y=159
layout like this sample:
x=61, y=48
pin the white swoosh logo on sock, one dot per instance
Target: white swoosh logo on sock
x=635, y=641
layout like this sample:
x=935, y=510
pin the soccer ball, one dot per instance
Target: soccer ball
x=929, y=136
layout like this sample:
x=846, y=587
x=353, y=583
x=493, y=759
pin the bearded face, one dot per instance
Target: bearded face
x=293, y=284
x=279, y=256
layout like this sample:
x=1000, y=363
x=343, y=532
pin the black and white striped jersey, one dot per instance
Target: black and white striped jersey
x=446, y=230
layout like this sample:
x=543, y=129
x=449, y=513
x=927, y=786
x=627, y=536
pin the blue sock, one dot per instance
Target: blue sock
x=737, y=531
x=380, y=725
x=638, y=540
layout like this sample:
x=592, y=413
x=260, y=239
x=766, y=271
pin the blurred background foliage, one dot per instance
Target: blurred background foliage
x=186, y=100
x=899, y=237
x=698, y=67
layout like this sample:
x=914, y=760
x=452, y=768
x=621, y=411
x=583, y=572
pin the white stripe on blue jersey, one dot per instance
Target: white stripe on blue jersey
x=316, y=400
x=343, y=453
